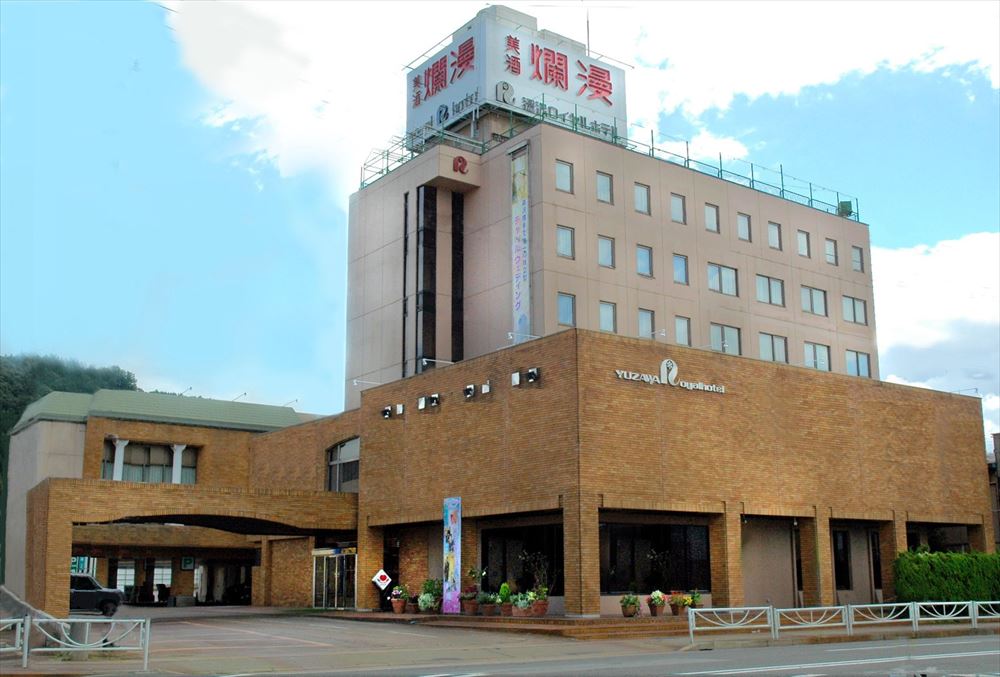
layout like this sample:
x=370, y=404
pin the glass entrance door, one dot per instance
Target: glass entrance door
x=334, y=581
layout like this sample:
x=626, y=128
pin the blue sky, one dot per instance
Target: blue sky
x=174, y=181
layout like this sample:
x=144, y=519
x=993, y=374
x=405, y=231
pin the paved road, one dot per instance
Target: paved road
x=281, y=644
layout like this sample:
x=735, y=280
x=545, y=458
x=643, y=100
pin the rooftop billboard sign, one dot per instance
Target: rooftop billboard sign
x=494, y=60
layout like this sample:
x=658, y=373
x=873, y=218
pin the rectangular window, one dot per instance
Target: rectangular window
x=647, y=324
x=680, y=269
x=343, y=466
x=567, y=309
x=803, y=240
x=605, y=188
x=126, y=575
x=857, y=259
x=842, y=559
x=564, y=176
x=817, y=356
x=773, y=348
x=565, y=244
x=644, y=260
x=770, y=290
x=678, y=212
x=855, y=310
x=652, y=557
x=711, y=218
x=608, y=320
x=725, y=339
x=814, y=301
x=682, y=330
x=605, y=251
x=831, y=251
x=722, y=279
x=642, y=198
x=743, y=227
x=858, y=364
x=774, y=235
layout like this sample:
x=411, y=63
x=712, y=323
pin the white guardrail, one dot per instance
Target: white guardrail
x=68, y=635
x=848, y=616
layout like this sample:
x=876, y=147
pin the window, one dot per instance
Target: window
x=647, y=324
x=858, y=364
x=567, y=309
x=678, y=213
x=565, y=245
x=680, y=269
x=817, y=356
x=605, y=251
x=653, y=556
x=814, y=300
x=642, y=198
x=644, y=260
x=343, y=466
x=162, y=573
x=711, y=218
x=773, y=348
x=831, y=251
x=150, y=463
x=803, y=240
x=564, y=176
x=682, y=330
x=774, y=235
x=743, y=227
x=770, y=290
x=605, y=189
x=722, y=279
x=189, y=466
x=725, y=339
x=607, y=317
x=858, y=259
x=125, y=578
x=855, y=310
x=842, y=559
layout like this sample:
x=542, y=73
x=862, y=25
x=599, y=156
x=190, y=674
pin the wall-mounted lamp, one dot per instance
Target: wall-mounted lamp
x=533, y=375
x=434, y=400
x=515, y=379
x=386, y=412
x=399, y=410
x=469, y=391
x=485, y=388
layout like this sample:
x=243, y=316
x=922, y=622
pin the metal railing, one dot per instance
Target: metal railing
x=15, y=628
x=848, y=616
x=79, y=635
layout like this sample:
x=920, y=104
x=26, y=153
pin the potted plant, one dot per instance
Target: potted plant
x=398, y=598
x=504, y=599
x=411, y=605
x=656, y=602
x=678, y=602
x=540, y=606
x=470, y=605
x=630, y=605
x=487, y=603
x=427, y=603
x=435, y=588
x=522, y=602
x=695, y=599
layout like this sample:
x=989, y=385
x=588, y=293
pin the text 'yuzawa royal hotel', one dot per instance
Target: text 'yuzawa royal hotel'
x=643, y=371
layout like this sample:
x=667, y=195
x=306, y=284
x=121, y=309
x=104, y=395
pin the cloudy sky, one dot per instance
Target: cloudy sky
x=174, y=177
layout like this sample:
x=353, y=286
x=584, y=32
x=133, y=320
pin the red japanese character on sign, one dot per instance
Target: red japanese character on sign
x=597, y=79
x=464, y=59
x=436, y=77
x=514, y=64
x=513, y=44
x=418, y=90
x=551, y=67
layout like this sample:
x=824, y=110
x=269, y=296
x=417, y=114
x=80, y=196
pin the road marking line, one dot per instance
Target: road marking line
x=265, y=634
x=911, y=645
x=835, y=664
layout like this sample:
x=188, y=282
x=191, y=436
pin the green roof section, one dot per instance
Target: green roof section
x=132, y=405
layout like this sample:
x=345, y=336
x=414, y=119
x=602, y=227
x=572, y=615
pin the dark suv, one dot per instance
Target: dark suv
x=86, y=594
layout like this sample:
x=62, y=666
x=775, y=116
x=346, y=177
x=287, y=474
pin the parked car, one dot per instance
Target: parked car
x=86, y=594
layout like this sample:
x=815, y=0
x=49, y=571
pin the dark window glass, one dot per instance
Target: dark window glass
x=644, y=557
x=842, y=559
x=876, y=559
x=504, y=553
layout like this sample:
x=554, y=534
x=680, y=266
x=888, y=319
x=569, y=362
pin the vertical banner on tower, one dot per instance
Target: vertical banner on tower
x=452, y=555
x=519, y=246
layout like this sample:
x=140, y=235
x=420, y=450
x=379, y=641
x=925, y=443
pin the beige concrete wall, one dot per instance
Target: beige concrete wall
x=43, y=449
x=768, y=563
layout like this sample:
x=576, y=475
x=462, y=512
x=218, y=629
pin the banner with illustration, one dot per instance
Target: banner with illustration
x=451, y=603
x=519, y=245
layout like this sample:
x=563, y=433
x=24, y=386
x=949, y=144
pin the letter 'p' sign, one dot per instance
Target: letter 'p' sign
x=460, y=165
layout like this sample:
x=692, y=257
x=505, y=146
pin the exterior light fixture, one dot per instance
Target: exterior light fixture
x=485, y=388
x=534, y=375
x=434, y=400
x=386, y=412
x=469, y=391
x=399, y=410
x=515, y=379
x=421, y=403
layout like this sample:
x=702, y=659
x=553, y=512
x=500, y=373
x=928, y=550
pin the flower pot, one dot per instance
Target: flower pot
x=507, y=609
x=540, y=607
x=412, y=608
x=488, y=609
x=629, y=611
x=656, y=610
x=521, y=612
x=678, y=610
x=398, y=606
x=469, y=607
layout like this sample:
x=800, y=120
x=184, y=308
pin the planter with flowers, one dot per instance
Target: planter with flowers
x=504, y=600
x=522, y=604
x=487, y=603
x=540, y=605
x=679, y=602
x=657, y=603
x=630, y=605
x=428, y=603
x=398, y=598
x=470, y=604
x=411, y=605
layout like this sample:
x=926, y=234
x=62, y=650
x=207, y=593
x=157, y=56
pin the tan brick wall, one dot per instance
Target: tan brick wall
x=291, y=572
x=295, y=458
x=158, y=535
x=413, y=544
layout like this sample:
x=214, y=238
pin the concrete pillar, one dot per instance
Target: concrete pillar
x=119, y=466
x=817, y=560
x=370, y=550
x=891, y=542
x=581, y=554
x=101, y=572
x=725, y=543
x=175, y=477
x=262, y=577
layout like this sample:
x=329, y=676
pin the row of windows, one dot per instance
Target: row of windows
x=678, y=214
x=150, y=463
x=723, y=338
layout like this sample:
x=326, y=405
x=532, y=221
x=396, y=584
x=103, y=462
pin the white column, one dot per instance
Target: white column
x=178, y=458
x=119, y=467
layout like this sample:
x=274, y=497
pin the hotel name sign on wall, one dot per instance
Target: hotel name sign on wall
x=668, y=376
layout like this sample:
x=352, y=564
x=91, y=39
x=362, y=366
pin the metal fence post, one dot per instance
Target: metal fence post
x=849, y=620
x=974, y=614
x=781, y=170
x=145, y=651
x=691, y=625
x=914, y=613
x=773, y=618
x=26, y=638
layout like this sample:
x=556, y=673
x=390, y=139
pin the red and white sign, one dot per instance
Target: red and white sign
x=381, y=579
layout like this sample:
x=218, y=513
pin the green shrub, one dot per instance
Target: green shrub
x=434, y=586
x=947, y=576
